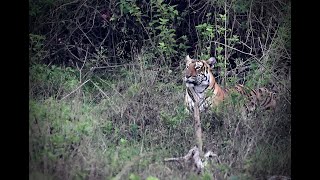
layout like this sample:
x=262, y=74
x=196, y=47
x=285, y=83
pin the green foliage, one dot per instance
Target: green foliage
x=130, y=7
x=241, y=177
x=224, y=168
x=99, y=56
x=162, y=29
x=36, y=51
x=206, y=176
x=159, y=26
x=268, y=158
x=123, y=141
x=52, y=80
x=57, y=129
x=38, y=8
x=202, y=176
x=175, y=119
x=40, y=176
x=152, y=178
x=134, y=177
x=232, y=81
x=134, y=130
x=132, y=50
x=241, y=6
x=259, y=76
x=207, y=34
x=133, y=89
x=236, y=99
x=107, y=127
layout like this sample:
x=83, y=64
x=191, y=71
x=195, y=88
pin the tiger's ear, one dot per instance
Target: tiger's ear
x=212, y=61
x=188, y=59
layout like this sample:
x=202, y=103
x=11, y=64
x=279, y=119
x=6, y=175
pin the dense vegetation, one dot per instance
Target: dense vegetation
x=106, y=89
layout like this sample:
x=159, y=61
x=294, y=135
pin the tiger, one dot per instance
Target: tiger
x=198, y=75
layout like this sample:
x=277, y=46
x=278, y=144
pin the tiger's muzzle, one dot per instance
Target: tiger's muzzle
x=190, y=81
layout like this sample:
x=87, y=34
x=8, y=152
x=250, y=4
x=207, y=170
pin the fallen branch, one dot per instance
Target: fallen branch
x=194, y=157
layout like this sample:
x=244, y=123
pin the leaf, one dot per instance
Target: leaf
x=113, y=17
x=209, y=29
x=161, y=43
x=123, y=141
x=219, y=49
x=163, y=21
x=134, y=177
x=152, y=178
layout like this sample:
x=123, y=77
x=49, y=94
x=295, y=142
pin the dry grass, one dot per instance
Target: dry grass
x=116, y=114
x=94, y=135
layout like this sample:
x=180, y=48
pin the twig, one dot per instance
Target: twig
x=73, y=54
x=225, y=42
x=106, y=96
x=111, y=66
x=84, y=34
x=233, y=48
x=65, y=5
x=85, y=59
x=74, y=90
x=194, y=156
x=111, y=87
x=102, y=42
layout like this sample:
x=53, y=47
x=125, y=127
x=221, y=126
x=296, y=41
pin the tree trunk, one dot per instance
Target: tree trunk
x=197, y=125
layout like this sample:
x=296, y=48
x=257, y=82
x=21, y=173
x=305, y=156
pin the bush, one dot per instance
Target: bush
x=106, y=88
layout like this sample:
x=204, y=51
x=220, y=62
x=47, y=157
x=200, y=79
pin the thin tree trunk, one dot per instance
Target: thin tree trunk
x=197, y=125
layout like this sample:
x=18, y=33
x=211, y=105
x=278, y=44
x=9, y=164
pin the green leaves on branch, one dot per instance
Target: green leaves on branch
x=36, y=45
x=162, y=29
x=130, y=7
x=206, y=31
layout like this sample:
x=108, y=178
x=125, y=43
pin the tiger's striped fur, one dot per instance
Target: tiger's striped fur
x=198, y=75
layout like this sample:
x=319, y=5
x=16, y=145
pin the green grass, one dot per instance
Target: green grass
x=91, y=134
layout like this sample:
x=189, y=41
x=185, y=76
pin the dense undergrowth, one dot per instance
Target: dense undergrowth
x=106, y=90
x=94, y=132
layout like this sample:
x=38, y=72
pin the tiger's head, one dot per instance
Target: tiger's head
x=198, y=72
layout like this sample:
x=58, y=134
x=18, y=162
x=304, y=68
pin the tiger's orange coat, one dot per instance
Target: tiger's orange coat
x=197, y=70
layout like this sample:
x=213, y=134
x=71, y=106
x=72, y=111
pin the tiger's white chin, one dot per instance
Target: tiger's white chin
x=189, y=85
x=189, y=82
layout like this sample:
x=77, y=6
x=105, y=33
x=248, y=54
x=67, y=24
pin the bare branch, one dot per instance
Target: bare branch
x=196, y=115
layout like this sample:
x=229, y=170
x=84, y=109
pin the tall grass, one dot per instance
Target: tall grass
x=111, y=121
x=107, y=96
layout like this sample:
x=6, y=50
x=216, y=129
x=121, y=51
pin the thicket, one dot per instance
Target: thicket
x=106, y=89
